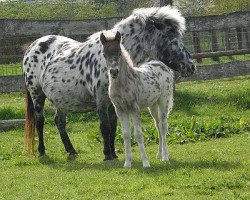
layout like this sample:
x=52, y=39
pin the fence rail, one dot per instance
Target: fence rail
x=206, y=37
x=204, y=34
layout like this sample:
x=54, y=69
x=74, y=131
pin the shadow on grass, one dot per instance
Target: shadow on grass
x=156, y=168
x=186, y=101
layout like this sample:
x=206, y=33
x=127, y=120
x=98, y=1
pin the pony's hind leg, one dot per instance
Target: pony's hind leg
x=39, y=118
x=154, y=111
x=60, y=120
x=113, y=125
x=105, y=130
x=139, y=137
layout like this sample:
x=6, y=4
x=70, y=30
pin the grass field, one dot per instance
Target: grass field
x=216, y=169
x=208, y=169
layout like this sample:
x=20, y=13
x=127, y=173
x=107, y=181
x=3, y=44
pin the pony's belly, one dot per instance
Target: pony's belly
x=69, y=98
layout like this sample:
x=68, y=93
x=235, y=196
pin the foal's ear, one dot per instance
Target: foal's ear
x=118, y=36
x=103, y=38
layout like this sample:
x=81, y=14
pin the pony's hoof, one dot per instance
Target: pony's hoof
x=114, y=156
x=72, y=156
x=42, y=155
x=108, y=158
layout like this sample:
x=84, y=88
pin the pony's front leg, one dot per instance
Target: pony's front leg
x=139, y=137
x=113, y=125
x=60, y=120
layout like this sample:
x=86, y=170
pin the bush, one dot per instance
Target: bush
x=211, y=7
x=57, y=10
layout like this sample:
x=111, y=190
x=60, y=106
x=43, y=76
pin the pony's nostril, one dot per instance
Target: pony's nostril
x=114, y=72
x=193, y=67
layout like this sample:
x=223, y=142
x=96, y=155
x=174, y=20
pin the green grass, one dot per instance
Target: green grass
x=224, y=59
x=10, y=69
x=216, y=169
x=210, y=169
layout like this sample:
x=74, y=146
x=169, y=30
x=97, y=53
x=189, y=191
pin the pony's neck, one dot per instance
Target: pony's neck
x=134, y=42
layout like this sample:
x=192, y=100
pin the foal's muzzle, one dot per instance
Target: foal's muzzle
x=114, y=73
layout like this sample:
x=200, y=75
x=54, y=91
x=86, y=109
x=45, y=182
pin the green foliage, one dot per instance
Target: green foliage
x=202, y=110
x=211, y=7
x=228, y=6
x=59, y=9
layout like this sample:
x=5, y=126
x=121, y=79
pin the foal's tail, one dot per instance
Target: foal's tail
x=29, y=139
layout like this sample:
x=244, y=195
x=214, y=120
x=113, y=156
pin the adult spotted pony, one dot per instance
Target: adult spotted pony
x=73, y=75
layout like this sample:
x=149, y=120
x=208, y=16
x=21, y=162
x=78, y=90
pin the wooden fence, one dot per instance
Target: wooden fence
x=222, y=34
x=206, y=37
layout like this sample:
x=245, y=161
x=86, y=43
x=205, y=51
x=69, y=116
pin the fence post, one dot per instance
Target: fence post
x=197, y=44
x=1, y=43
x=239, y=37
x=244, y=30
x=166, y=2
x=228, y=42
x=214, y=44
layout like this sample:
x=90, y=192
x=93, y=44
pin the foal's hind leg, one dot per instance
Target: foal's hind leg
x=113, y=125
x=164, y=107
x=139, y=137
x=154, y=111
x=39, y=117
x=60, y=120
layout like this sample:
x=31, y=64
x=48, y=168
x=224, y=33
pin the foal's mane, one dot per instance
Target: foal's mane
x=126, y=57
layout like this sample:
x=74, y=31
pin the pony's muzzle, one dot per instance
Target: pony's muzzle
x=113, y=72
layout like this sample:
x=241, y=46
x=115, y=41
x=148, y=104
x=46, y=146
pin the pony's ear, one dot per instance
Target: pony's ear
x=103, y=38
x=118, y=36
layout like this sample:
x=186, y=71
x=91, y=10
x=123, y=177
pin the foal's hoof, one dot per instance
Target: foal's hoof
x=127, y=165
x=146, y=165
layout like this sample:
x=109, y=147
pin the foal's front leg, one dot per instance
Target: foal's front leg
x=124, y=119
x=139, y=137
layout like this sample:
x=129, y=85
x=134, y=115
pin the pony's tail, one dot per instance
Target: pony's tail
x=29, y=139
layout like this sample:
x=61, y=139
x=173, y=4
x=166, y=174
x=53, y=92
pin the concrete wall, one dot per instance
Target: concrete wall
x=238, y=68
x=10, y=28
